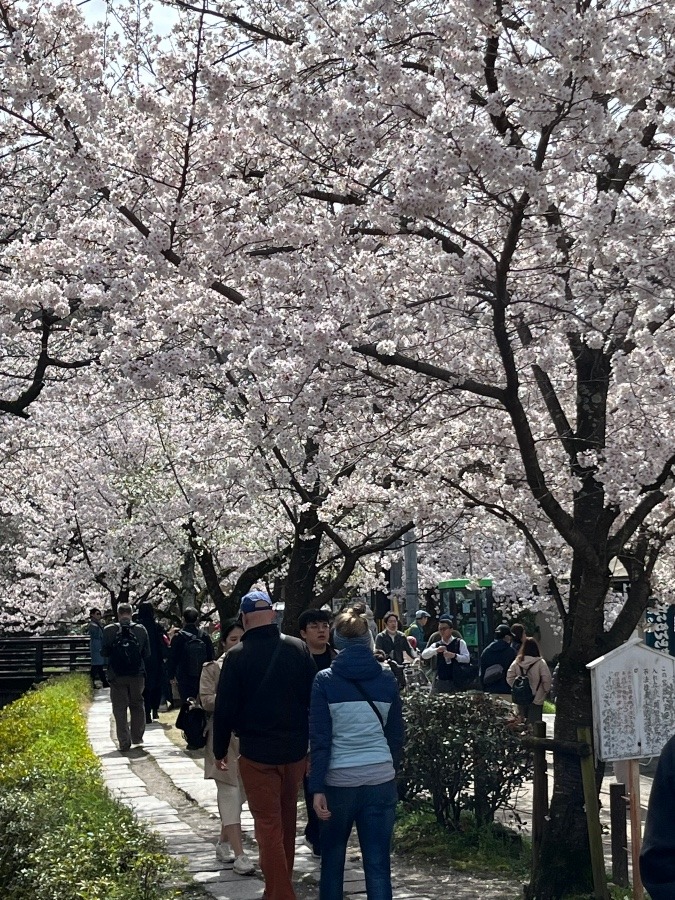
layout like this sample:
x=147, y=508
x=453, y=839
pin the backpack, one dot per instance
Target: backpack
x=124, y=655
x=521, y=689
x=194, y=655
x=493, y=674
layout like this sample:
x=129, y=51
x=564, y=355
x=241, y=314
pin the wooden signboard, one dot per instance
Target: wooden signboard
x=633, y=701
x=633, y=690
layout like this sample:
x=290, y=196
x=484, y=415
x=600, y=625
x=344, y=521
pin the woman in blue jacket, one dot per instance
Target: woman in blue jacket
x=356, y=741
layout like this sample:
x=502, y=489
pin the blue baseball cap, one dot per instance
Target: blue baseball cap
x=255, y=601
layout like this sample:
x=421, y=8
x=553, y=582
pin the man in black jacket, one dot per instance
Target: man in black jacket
x=495, y=661
x=263, y=696
x=190, y=649
x=127, y=650
x=314, y=628
x=657, y=857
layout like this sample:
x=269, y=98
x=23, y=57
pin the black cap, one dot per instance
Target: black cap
x=502, y=631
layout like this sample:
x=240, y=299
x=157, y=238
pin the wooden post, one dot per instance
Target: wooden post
x=600, y=889
x=635, y=826
x=539, y=793
x=617, y=813
x=39, y=660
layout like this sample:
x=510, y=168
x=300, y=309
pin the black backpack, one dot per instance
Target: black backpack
x=125, y=656
x=521, y=689
x=463, y=674
x=194, y=655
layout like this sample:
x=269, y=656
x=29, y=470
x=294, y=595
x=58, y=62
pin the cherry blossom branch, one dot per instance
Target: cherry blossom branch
x=501, y=512
x=352, y=556
x=18, y=406
x=234, y=19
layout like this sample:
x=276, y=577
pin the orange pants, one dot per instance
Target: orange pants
x=272, y=793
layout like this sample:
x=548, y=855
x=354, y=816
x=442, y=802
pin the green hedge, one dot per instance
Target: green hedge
x=62, y=837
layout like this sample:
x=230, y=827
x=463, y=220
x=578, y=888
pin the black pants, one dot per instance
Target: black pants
x=152, y=695
x=98, y=672
x=313, y=826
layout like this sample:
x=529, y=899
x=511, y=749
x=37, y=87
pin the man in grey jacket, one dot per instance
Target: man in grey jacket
x=126, y=647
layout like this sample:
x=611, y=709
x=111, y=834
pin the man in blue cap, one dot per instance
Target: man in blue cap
x=263, y=696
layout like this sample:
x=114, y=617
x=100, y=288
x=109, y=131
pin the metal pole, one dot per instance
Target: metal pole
x=617, y=813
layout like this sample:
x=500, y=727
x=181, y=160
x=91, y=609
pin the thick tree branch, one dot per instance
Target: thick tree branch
x=18, y=406
x=456, y=382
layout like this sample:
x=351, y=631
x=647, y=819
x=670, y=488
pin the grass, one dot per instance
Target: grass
x=493, y=849
x=549, y=707
x=62, y=837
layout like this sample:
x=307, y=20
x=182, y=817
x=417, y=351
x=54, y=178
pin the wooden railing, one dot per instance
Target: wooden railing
x=29, y=660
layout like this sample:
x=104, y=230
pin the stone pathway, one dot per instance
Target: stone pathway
x=165, y=787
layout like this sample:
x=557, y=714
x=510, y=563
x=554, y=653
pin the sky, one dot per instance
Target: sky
x=95, y=10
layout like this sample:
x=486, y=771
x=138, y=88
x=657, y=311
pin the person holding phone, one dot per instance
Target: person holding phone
x=449, y=652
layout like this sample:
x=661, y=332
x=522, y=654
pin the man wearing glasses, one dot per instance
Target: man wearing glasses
x=449, y=653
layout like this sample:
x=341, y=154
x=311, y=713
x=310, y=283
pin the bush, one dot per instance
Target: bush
x=461, y=754
x=62, y=837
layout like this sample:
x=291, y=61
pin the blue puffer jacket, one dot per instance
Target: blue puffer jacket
x=343, y=729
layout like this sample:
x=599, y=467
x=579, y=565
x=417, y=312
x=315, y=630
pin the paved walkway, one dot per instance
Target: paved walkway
x=165, y=787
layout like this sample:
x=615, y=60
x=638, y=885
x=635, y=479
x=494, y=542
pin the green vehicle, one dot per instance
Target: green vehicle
x=470, y=603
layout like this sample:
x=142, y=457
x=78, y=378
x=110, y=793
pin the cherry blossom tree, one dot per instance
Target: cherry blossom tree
x=469, y=200
x=497, y=183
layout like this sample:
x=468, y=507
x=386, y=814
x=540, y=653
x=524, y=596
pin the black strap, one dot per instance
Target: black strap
x=527, y=671
x=359, y=688
x=270, y=667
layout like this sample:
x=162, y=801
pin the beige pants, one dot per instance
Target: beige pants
x=126, y=696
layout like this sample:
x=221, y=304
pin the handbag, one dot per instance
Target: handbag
x=191, y=720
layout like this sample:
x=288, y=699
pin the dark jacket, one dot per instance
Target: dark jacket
x=324, y=660
x=95, y=632
x=110, y=632
x=497, y=653
x=269, y=713
x=344, y=729
x=177, y=649
x=158, y=650
x=394, y=647
x=657, y=857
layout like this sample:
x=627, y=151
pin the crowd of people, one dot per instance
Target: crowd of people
x=322, y=711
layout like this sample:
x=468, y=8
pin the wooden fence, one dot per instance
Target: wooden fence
x=27, y=661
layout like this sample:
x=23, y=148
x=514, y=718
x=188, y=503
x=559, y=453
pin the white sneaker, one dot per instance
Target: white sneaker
x=243, y=865
x=224, y=853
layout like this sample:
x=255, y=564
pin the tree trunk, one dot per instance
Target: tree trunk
x=301, y=577
x=187, y=582
x=564, y=864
